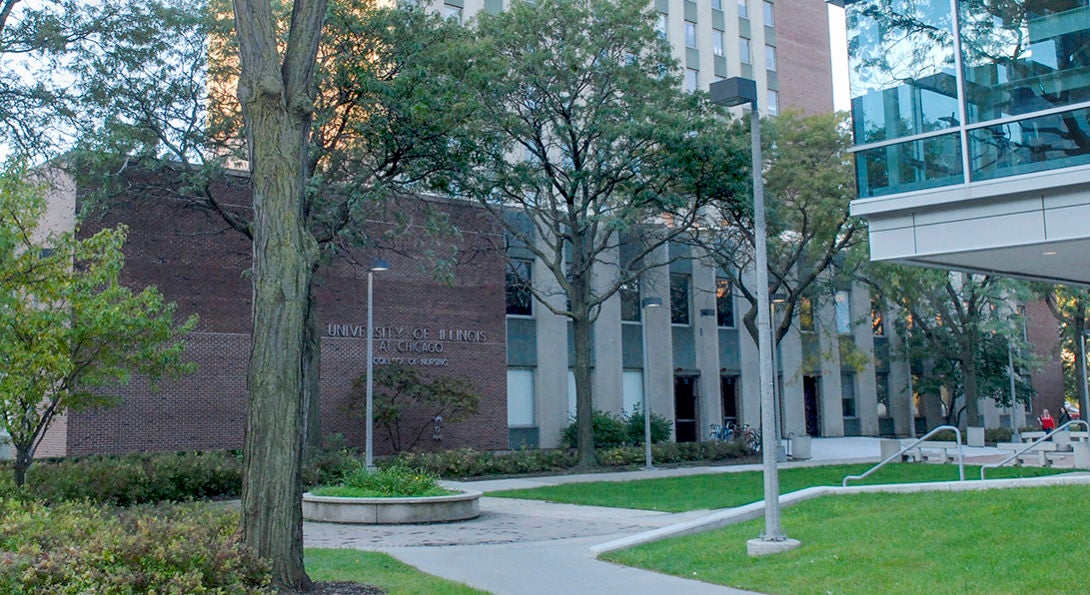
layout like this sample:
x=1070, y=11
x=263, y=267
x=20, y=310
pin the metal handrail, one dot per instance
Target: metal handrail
x=961, y=455
x=1033, y=444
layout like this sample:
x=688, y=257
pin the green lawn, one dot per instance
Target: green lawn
x=382, y=570
x=724, y=490
x=1023, y=540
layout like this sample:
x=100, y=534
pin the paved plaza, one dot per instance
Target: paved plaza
x=524, y=547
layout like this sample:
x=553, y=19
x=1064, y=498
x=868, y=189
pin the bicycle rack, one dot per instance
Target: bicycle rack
x=1033, y=444
x=897, y=456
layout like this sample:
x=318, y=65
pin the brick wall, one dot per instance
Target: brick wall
x=802, y=47
x=1042, y=331
x=197, y=262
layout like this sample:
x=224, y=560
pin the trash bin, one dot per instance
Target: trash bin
x=800, y=447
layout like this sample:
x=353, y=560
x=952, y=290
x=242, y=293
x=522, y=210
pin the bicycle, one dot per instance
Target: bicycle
x=751, y=438
x=721, y=433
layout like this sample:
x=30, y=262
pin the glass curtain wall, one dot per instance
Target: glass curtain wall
x=997, y=88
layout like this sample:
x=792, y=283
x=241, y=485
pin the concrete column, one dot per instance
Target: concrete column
x=899, y=396
x=832, y=412
x=607, y=371
x=789, y=362
x=710, y=405
x=749, y=383
x=660, y=343
x=866, y=389
x=551, y=374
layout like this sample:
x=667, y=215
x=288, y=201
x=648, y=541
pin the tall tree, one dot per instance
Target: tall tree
x=276, y=92
x=813, y=241
x=956, y=321
x=69, y=331
x=584, y=134
x=1071, y=307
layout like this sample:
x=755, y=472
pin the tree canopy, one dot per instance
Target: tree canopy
x=69, y=331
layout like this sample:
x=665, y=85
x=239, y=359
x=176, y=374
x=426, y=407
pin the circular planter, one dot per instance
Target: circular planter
x=392, y=511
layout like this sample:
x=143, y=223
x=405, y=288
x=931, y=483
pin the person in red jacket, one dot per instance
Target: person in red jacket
x=1047, y=423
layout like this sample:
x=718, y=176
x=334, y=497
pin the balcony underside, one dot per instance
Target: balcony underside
x=1033, y=227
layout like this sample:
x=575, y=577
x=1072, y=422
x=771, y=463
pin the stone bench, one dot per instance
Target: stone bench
x=937, y=451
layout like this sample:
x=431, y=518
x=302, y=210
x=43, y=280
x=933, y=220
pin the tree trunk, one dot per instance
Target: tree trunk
x=276, y=98
x=972, y=401
x=312, y=365
x=23, y=457
x=584, y=405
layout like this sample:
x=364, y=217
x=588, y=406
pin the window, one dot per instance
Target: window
x=806, y=315
x=770, y=21
x=773, y=103
x=717, y=4
x=878, y=326
x=661, y=27
x=743, y=9
x=847, y=393
x=520, y=302
x=717, y=42
x=520, y=397
x=679, y=299
x=770, y=58
x=690, y=80
x=881, y=390
x=452, y=13
x=724, y=303
x=743, y=50
x=843, y=312
x=630, y=300
x=690, y=34
x=631, y=390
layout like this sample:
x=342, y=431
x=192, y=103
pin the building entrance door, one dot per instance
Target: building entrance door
x=812, y=400
x=685, y=408
x=728, y=391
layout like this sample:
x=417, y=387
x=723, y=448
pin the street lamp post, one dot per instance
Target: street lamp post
x=647, y=304
x=729, y=93
x=377, y=265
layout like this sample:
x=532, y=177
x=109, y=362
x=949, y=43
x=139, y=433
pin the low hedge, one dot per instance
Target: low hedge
x=77, y=547
x=127, y=480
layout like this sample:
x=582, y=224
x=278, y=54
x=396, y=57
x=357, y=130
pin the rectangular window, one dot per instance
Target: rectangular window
x=630, y=300
x=877, y=322
x=691, y=80
x=743, y=9
x=690, y=34
x=770, y=20
x=452, y=13
x=773, y=103
x=631, y=389
x=847, y=392
x=724, y=303
x=881, y=389
x=806, y=315
x=520, y=397
x=717, y=42
x=743, y=50
x=520, y=302
x=661, y=26
x=679, y=299
x=717, y=4
x=843, y=312
x=770, y=58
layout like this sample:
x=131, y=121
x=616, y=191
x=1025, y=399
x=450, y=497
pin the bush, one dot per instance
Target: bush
x=326, y=465
x=84, y=548
x=388, y=482
x=612, y=430
x=994, y=435
x=133, y=479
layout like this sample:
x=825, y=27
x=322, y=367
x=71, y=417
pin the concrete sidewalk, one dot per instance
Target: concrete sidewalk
x=524, y=547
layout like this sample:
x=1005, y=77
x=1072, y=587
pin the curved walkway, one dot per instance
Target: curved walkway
x=526, y=547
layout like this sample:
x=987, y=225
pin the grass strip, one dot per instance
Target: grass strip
x=1020, y=540
x=379, y=569
x=726, y=490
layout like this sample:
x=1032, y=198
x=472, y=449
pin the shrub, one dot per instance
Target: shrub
x=326, y=465
x=84, y=548
x=388, y=482
x=133, y=479
x=660, y=428
x=994, y=435
x=609, y=430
